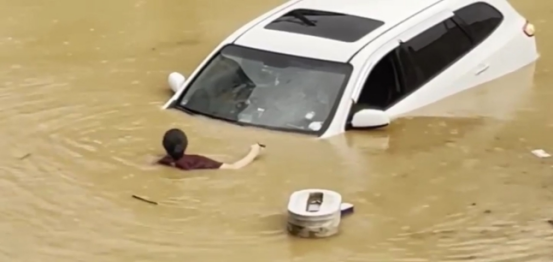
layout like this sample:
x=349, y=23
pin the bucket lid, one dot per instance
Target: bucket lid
x=330, y=203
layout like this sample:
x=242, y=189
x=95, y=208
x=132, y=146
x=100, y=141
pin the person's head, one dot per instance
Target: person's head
x=175, y=143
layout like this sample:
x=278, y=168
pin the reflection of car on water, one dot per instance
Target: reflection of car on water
x=324, y=66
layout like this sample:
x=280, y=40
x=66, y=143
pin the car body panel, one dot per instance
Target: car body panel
x=392, y=12
x=506, y=50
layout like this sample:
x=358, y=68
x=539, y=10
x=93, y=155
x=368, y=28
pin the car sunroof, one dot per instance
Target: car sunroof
x=336, y=26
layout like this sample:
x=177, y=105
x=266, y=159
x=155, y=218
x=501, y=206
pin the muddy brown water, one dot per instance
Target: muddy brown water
x=81, y=86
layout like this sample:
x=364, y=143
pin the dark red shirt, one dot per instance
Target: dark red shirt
x=191, y=162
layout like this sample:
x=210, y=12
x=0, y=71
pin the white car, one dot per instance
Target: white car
x=325, y=66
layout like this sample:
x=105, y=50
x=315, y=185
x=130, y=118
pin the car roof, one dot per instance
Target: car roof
x=391, y=12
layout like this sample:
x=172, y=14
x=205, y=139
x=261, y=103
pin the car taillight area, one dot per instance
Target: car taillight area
x=529, y=29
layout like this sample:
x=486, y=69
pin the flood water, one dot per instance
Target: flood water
x=81, y=87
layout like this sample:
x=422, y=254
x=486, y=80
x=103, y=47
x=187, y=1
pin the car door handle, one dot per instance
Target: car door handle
x=481, y=69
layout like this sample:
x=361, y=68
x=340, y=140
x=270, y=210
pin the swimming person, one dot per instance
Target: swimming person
x=175, y=143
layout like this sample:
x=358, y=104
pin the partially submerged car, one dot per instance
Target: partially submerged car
x=325, y=66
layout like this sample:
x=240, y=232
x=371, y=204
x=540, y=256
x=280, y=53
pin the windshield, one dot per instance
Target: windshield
x=271, y=90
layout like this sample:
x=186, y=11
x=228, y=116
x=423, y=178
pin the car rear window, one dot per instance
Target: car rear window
x=481, y=20
x=336, y=26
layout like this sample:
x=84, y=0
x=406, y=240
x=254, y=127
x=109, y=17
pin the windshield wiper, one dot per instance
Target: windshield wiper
x=194, y=112
x=186, y=110
x=237, y=122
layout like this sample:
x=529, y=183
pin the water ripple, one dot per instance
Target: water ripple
x=81, y=126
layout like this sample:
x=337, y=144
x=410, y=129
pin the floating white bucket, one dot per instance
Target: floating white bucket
x=314, y=213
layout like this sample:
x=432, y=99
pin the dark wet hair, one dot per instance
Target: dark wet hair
x=175, y=143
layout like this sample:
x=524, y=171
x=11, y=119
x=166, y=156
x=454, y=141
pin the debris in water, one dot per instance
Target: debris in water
x=24, y=156
x=549, y=221
x=314, y=213
x=540, y=153
x=346, y=209
x=145, y=200
x=487, y=211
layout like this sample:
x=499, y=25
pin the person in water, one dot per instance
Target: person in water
x=175, y=143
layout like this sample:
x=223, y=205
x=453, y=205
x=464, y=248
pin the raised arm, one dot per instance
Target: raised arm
x=246, y=160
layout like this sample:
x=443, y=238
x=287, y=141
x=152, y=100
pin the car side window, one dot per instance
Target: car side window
x=431, y=52
x=481, y=20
